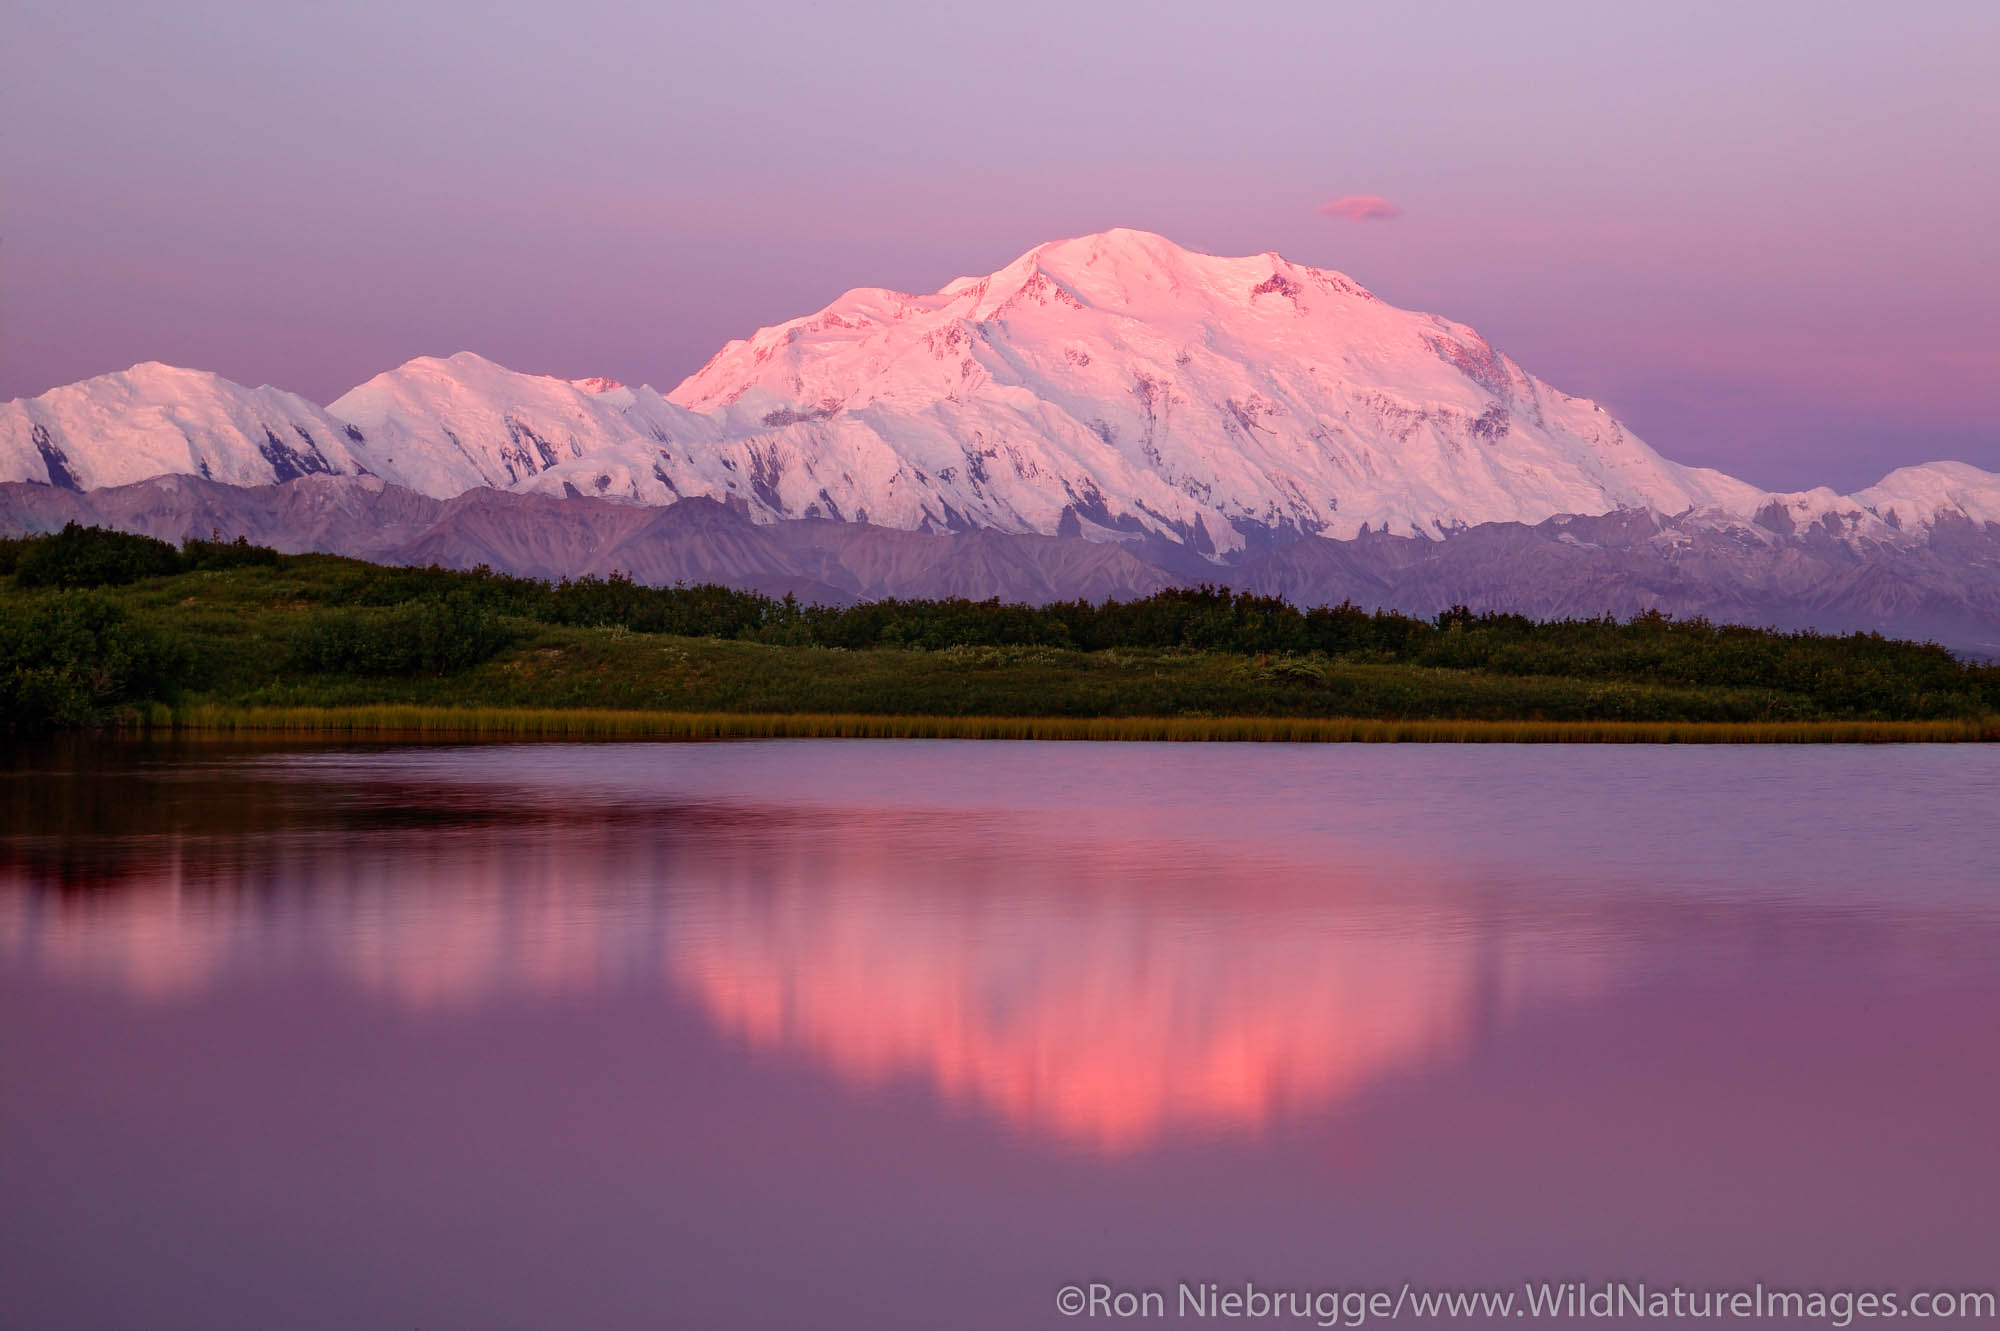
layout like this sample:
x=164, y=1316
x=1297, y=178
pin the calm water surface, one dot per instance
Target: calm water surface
x=886, y=1035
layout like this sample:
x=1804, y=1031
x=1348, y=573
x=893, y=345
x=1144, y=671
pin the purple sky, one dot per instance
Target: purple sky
x=1762, y=233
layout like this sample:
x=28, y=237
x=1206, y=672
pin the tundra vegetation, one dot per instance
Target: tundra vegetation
x=105, y=628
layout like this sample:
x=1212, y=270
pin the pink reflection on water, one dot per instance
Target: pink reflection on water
x=1108, y=963
x=1107, y=1011
x=666, y=1017
x=1089, y=986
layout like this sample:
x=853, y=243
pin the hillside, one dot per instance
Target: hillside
x=94, y=625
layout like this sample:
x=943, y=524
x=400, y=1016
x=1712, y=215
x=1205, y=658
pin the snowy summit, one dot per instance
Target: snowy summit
x=1113, y=385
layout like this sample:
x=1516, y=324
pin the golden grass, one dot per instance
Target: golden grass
x=406, y=722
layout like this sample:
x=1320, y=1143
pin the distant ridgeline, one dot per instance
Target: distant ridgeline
x=1105, y=416
x=96, y=620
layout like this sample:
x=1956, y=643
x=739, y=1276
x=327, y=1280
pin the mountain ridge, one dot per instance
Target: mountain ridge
x=1102, y=416
x=1941, y=584
x=1114, y=386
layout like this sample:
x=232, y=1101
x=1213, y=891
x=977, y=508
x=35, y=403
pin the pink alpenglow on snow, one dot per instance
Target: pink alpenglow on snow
x=1362, y=208
x=1109, y=384
x=1591, y=185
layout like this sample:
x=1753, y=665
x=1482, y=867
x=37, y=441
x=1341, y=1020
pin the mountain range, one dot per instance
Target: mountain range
x=1104, y=415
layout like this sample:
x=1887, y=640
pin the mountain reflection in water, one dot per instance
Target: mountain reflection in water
x=1075, y=982
x=1094, y=979
x=909, y=1035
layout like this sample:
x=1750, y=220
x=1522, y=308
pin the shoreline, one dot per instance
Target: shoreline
x=404, y=721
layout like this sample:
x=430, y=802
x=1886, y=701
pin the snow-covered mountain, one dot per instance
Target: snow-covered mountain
x=442, y=427
x=1140, y=385
x=439, y=427
x=156, y=420
x=1906, y=501
x=1114, y=386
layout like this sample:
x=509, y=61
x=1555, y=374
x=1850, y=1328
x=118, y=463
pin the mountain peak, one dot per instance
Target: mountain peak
x=1134, y=251
x=1118, y=245
x=155, y=419
x=1124, y=244
x=1149, y=388
x=146, y=378
x=1116, y=384
x=467, y=371
x=1123, y=266
x=157, y=369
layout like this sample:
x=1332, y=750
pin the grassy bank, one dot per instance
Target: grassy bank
x=407, y=722
x=100, y=628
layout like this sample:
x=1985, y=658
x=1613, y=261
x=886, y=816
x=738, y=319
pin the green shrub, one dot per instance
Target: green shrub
x=217, y=553
x=68, y=657
x=79, y=556
x=430, y=637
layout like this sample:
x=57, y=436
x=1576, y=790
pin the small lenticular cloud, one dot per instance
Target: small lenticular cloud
x=1361, y=208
